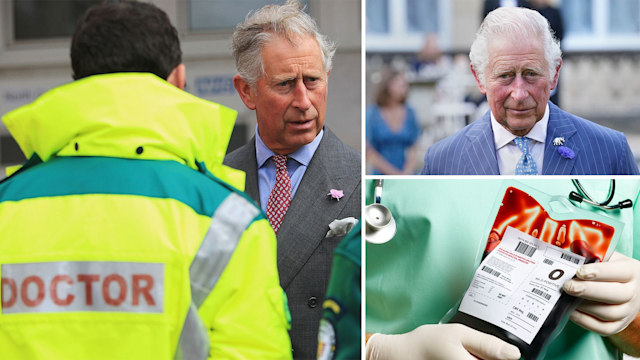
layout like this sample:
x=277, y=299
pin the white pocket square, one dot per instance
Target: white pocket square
x=340, y=227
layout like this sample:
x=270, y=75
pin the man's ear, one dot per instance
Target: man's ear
x=178, y=77
x=245, y=91
x=478, y=81
x=555, y=77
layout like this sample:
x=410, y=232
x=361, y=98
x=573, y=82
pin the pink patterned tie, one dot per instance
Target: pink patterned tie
x=280, y=196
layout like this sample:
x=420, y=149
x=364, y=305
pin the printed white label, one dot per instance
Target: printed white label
x=518, y=283
x=82, y=286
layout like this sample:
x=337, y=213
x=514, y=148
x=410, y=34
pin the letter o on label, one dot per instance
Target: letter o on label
x=11, y=284
x=122, y=284
x=556, y=274
x=24, y=290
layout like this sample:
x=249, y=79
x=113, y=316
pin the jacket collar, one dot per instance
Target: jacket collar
x=480, y=150
x=125, y=115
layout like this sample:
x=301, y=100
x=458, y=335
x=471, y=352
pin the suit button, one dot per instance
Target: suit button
x=312, y=302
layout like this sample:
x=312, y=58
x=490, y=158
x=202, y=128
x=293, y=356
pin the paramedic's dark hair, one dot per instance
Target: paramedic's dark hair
x=124, y=36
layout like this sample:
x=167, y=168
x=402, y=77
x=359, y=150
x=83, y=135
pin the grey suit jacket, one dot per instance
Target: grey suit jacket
x=304, y=253
x=598, y=150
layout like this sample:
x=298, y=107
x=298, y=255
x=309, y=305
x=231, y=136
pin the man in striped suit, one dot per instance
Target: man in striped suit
x=516, y=61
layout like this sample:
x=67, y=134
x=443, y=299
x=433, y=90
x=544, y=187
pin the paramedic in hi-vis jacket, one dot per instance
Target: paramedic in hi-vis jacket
x=121, y=236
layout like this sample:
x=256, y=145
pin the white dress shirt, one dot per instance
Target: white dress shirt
x=508, y=153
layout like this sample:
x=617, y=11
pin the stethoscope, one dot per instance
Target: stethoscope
x=583, y=196
x=380, y=226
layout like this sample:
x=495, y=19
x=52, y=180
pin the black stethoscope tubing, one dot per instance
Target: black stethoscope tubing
x=583, y=196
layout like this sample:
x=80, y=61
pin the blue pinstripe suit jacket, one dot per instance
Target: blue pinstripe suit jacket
x=598, y=150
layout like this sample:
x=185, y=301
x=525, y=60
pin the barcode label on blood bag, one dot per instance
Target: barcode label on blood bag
x=569, y=258
x=525, y=249
x=491, y=271
x=541, y=293
x=521, y=299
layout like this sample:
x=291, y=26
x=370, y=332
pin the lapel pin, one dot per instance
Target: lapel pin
x=558, y=141
x=336, y=194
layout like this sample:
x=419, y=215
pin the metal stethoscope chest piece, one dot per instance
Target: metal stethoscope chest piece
x=380, y=224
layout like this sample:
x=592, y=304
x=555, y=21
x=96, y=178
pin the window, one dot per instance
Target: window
x=42, y=19
x=577, y=16
x=416, y=19
x=222, y=14
x=401, y=25
x=377, y=16
x=601, y=25
x=623, y=17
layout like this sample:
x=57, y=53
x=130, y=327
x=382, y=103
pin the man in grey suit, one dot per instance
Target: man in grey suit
x=516, y=62
x=283, y=67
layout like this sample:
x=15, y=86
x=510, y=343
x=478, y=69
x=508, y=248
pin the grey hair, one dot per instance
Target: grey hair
x=261, y=26
x=510, y=22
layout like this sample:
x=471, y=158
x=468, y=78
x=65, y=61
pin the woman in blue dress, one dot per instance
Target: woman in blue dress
x=392, y=128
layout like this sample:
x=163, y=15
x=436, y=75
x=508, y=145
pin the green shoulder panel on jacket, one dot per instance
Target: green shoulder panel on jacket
x=63, y=176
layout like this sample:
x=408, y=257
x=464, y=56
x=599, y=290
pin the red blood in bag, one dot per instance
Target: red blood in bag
x=583, y=248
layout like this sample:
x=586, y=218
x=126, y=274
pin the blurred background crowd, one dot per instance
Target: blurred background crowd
x=419, y=88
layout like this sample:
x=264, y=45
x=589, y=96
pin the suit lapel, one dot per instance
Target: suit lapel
x=251, y=164
x=480, y=150
x=311, y=210
x=559, y=126
x=246, y=161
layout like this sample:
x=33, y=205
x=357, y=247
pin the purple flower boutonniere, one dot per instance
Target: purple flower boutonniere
x=336, y=194
x=566, y=152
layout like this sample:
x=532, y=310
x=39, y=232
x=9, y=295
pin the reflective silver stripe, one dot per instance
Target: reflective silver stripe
x=194, y=339
x=228, y=223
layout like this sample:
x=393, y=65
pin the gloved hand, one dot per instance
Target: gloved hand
x=612, y=294
x=445, y=341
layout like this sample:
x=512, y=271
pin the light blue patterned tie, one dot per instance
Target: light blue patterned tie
x=526, y=165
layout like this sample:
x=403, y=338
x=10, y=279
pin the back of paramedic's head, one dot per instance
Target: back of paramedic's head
x=124, y=36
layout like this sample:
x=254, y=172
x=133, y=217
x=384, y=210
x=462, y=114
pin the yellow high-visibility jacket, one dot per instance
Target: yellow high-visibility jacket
x=119, y=241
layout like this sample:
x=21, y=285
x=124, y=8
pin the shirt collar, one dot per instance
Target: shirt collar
x=303, y=155
x=502, y=136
